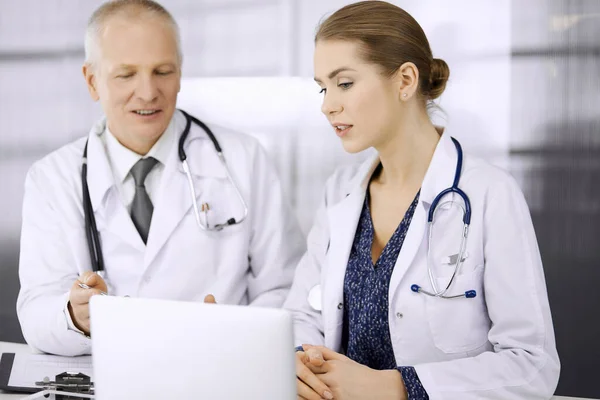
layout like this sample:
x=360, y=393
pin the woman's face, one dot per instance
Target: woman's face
x=361, y=104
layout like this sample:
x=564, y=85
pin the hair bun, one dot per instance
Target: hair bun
x=438, y=77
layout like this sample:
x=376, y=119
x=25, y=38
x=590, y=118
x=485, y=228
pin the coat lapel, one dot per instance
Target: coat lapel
x=415, y=238
x=109, y=211
x=342, y=219
x=174, y=199
x=439, y=176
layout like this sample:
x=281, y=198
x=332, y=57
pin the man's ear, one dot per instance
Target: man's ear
x=89, y=75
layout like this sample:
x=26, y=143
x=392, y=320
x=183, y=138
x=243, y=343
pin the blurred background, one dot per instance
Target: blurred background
x=524, y=93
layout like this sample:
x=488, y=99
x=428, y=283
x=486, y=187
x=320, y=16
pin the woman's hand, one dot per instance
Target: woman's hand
x=309, y=386
x=350, y=380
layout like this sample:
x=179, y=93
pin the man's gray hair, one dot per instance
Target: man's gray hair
x=127, y=8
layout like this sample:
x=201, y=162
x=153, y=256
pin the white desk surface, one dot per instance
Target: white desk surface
x=22, y=348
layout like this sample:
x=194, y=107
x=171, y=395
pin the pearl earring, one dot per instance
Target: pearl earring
x=404, y=95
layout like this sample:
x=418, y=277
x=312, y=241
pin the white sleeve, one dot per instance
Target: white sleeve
x=308, y=322
x=70, y=323
x=524, y=363
x=276, y=242
x=47, y=270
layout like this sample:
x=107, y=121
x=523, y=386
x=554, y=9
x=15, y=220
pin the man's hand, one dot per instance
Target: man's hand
x=210, y=299
x=79, y=299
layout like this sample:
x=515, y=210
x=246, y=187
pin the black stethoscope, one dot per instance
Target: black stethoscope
x=91, y=231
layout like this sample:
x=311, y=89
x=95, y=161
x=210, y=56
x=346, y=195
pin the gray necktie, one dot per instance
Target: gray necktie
x=141, y=208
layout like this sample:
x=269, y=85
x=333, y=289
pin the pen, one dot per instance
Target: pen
x=84, y=286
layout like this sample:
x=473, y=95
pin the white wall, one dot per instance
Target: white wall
x=284, y=113
x=473, y=36
x=43, y=98
x=44, y=102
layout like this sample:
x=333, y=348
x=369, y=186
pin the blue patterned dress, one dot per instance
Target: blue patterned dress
x=366, y=333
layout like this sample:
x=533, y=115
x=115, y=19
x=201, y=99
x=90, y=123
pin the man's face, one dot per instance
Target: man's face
x=136, y=78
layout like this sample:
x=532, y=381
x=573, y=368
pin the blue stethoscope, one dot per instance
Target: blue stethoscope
x=465, y=234
x=314, y=295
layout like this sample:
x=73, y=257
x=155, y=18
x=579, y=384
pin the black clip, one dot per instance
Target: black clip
x=69, y=382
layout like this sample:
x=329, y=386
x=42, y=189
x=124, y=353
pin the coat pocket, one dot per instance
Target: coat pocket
x=461, y=324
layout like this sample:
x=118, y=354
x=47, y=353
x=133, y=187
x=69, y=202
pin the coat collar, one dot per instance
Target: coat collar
x=100, y=176
x=99, y=173
x=174, y=199
x=441, y=171
x=343, y=219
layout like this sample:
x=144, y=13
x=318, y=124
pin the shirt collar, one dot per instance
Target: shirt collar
x=123, y=159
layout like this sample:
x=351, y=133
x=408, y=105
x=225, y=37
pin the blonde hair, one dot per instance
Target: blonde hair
x=127, y=8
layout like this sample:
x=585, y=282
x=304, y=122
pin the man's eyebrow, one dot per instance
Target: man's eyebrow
x=124, y=66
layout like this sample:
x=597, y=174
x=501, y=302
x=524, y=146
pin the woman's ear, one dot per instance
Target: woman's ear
x=406, y=80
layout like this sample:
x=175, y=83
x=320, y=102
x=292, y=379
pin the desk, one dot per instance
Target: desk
x=22, y=348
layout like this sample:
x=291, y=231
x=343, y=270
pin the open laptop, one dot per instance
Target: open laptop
x=160, y=349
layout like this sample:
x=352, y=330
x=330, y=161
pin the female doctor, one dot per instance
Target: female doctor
x=386, y=304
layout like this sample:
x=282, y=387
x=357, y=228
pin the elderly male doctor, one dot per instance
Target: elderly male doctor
x=150, y=241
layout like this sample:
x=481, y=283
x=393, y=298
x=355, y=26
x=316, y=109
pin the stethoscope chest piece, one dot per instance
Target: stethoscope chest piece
x=314, y=298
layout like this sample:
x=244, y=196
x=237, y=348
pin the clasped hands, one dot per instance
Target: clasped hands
x=325, y=374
